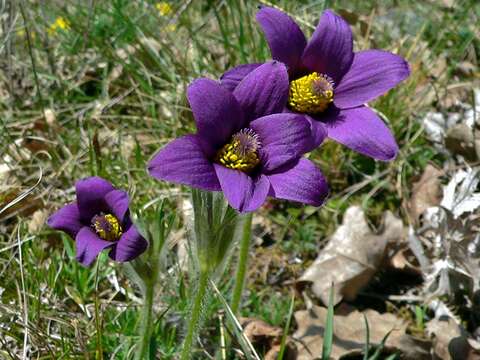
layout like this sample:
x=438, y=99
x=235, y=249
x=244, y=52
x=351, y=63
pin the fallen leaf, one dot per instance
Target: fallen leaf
x=448, y=249
x=459, y=140
x=459, y=195
x=426, y=192
x=435, y=126
x=349, y=334
x=352, y=256
x=290, y=352
x=267, y=337
x=258, y=330
x=449, y=341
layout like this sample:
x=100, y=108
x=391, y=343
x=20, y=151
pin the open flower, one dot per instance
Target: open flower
x=60, y=23
x=329, y=83
x=98, y=220
x=164, y=8
x=243, y=147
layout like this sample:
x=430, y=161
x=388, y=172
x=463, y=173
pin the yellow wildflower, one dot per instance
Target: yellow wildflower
x=60, y=23
x=164, y=8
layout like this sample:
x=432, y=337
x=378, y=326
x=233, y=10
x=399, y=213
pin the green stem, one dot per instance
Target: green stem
x=98, y=321
x=242, y=263
x=147, y=323
x=195, y=315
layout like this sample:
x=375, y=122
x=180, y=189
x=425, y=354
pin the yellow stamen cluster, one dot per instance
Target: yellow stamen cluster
x=241, y=152
x=107, y=227
x=311, y=93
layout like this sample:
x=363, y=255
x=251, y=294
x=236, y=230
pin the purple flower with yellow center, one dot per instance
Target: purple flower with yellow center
x=243, y=146
x=329, y=83
x=99, y=220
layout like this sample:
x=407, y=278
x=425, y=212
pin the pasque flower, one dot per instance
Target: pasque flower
x=242, y=146
x=98, y=220
x=329, y=83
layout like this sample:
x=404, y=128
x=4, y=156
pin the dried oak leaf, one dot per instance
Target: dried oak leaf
x=349, y=334
x=352, y=256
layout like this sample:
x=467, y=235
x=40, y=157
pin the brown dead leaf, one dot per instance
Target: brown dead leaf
x=268, y=337
x=257, y=330
x=290, y=352
x=449, y=341
x=460, y=141
x=426, y=192
x=349, y=334
x=352, y=256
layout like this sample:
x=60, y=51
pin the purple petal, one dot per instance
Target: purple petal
x=284, y=138
x=373, y=73
x=90, y=194
x=264, y=91
x=183, y=161
x=284, y=37
x=362, y=130
x=66, y=219
x=303, y=183
x=117, y=201
x=230, y=79
x=130, y=246
x=241, y=191
x=216, y=111
x=89, y=245
x=330, y=50
x=319, y=132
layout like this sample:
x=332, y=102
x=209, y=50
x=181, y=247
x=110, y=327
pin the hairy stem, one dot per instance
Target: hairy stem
x=195, y=315
x=242, y=263
x=98, y=320
x=147, y=323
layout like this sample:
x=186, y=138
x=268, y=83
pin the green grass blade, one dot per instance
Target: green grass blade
x=367, y=340
x=392, y=357
x=380, y=347
x=287, y=327
x=246, y=345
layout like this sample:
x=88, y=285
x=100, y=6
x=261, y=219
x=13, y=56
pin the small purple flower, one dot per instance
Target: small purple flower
x=329, y=83
x=98, y=220
x=243, y=147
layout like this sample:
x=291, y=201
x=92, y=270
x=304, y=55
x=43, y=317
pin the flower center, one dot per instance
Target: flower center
x=241, y=153
x=311, y=93
x=107, y=227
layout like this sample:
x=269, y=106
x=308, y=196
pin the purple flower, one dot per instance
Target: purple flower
x=98, y=220
x=329, y=83
x=243, y=147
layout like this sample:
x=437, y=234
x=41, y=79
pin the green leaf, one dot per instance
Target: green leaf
x=245, y=344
